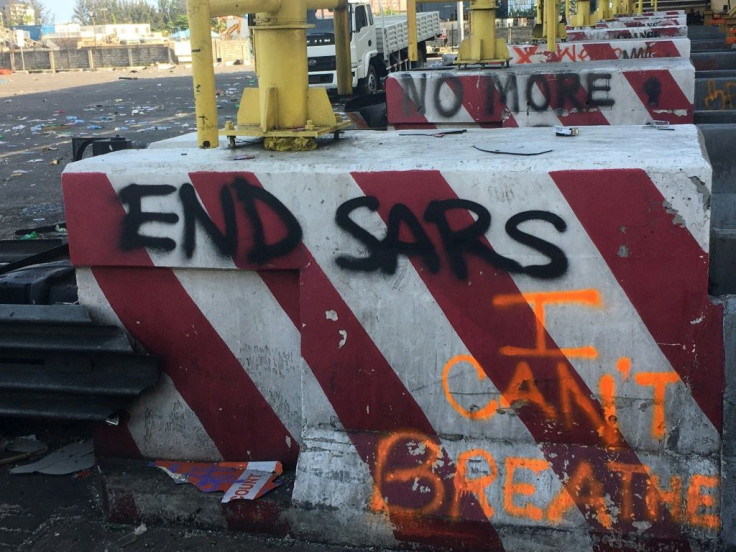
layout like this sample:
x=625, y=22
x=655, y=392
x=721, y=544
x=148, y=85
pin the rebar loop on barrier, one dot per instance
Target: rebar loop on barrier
x=283, y=109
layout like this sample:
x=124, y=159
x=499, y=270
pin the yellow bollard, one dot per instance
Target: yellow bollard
x=550, y=24
x=342, y=50
x=203, y=73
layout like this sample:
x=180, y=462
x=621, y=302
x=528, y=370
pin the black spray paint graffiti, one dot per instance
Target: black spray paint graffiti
x=497, y=92
x=193, y=213
x=383, y=253
x=457, y=243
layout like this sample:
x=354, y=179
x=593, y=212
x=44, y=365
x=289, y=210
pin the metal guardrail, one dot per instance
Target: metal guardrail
x=56, y=363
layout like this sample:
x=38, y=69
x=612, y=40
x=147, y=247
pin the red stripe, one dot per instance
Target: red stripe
x=484, y=331
x=94, y=220
x=115, y=441
x=569, y=114
x=400, y=108
x=665, y=274
x=155, y=308
x=600, y=51
x=365, y=392
x=661, y=105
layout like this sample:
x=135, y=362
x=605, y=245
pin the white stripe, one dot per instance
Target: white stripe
x=161, y=423
x=615, y=329
x=414, y=335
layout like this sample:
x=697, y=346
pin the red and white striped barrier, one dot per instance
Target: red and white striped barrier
x=524, y=54
x=678, y=20
x=659, y=31
x=604, y=93
x=459, y=347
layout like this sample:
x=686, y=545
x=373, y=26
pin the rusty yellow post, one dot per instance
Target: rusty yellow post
x=567, y=11
x=550, y=24
x=342, y=50
x=203, y=73
x=482, y=46
x=411, y=20
x=582, y=14
x=281, y=43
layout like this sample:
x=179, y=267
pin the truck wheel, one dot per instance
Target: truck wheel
x=369, y=85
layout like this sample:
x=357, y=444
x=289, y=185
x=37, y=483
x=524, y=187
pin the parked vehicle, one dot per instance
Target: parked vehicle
x=378, y=45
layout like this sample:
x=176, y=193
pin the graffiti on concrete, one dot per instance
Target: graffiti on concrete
x=534, y=53
x=408, y=460
x=538, y=92
x=719, y=95
x=610, y=487
x=456, y=242
x=275, y=231
x=193, y=214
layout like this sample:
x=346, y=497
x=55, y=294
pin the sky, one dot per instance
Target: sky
x=61, y=9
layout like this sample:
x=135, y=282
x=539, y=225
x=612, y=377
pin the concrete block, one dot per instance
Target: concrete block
x=716, y=94
x=714, y=61
x=453, y=347
x=522, y=54
x=601, y=34
x=601, y=93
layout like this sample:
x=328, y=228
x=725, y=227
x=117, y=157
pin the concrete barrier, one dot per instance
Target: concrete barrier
x=714, y=61
x=522, y=54
x=600, y=93
x=677, y=19
x=661, y=31
x=454, y=347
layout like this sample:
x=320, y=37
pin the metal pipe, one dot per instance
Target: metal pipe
x=342, y=50
x=550, y=24
x=411, y=21
x=222, y=8
x=283, y=86
x=203, y=73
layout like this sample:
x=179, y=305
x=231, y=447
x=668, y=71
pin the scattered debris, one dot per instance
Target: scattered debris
x=22, y=448
x=132, y=536
x=566, y=131
x=441, y=134
x=238, y=480
x=69, y=459
x=519, y=150
x=658, y=125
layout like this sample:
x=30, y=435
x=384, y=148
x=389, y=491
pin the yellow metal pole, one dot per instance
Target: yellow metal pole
x=281, y=41
x=222, y=8
x=582, y=15
x=342, y=50
x=567, y=11
x=411, y=19
x=640, y=7
x=550, y=24
x=203, y=73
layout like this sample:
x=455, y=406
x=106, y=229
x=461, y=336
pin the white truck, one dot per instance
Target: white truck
x=378, y=45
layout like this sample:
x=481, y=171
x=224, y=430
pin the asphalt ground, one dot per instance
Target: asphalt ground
x=41, y=112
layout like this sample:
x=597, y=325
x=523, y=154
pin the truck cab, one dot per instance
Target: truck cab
x=363, y=47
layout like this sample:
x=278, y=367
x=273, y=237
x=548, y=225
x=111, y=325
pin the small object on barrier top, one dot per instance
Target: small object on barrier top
x=659, y=125
x=440, y=134
x=518, y=150
x=566, y=131
x=243, y=157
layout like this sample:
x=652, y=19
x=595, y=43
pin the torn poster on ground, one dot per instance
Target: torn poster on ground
x=238, y=480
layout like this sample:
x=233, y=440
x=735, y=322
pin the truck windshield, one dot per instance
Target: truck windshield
x=323, y=22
